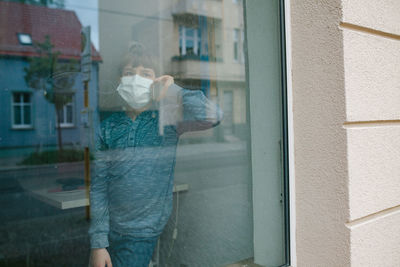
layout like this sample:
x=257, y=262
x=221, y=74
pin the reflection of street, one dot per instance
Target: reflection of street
x=215, y=215
x=34, y=231
x=217, y=178
x=45, y=240
x=211, y=165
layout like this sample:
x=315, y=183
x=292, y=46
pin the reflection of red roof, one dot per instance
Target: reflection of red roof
x=63, y=27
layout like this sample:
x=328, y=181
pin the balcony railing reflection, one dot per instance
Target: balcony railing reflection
x=190, y=68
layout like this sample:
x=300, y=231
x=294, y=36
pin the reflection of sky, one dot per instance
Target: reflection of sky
x=87, y=13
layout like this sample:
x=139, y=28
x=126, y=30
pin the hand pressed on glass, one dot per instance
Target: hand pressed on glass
x=160, y=86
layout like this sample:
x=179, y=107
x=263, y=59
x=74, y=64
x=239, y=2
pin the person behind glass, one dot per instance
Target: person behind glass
x=132, y=182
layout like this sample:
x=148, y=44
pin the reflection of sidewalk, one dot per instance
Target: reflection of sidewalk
x=183, y=152
x=210, y=149
x=10, y=161
x=12, y=156
x=66, y=167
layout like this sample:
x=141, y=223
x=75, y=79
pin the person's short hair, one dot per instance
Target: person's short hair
x=138, y=55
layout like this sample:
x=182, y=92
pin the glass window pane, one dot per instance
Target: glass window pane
x=61, y=115
x=189, y=32
x=27, y=115
x=17, y=115
x=25, y=39
x=189, y=44
x=26, y=97
x=165, y=146
x=235, y=51
x=17, y=97
x=180, y=40
x=228, y=112
x=69, y=113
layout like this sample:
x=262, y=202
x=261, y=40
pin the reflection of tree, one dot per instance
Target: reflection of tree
x=56, y=78
x=48, y=3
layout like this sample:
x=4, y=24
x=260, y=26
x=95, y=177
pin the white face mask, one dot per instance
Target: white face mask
x=135, y=90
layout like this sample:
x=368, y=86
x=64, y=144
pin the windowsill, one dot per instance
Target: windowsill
x=21, y=128
x=67, y=126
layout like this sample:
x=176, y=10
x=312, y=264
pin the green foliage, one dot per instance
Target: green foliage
x=46, y=72
x=55, y=77
x=54, y=156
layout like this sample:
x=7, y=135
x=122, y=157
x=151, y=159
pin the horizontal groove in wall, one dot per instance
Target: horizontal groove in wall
x=362, y=124
x=358, y=28
x=373, y=217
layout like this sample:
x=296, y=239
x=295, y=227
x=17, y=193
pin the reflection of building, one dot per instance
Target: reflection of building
x=207, y=53
x=199, y=43
x=27, y=118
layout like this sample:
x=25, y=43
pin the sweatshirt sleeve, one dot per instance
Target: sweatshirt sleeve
x=199, y=112
x=99, y=224
x=193, y=109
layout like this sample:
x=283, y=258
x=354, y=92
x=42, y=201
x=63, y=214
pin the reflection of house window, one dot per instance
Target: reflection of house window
x=228, y=112
x=202, y=41
x=21, y=111
x=242, y=42
x=24, y=39
x=189, y=41
x=67, y=115
x=238, y=45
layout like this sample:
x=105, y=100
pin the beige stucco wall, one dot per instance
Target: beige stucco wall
x=319, y=110
x=371, y=31
x=346, y=113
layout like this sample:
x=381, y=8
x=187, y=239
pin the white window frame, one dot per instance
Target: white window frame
x=290, y=115
x=63, y=123
x=21, y=104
